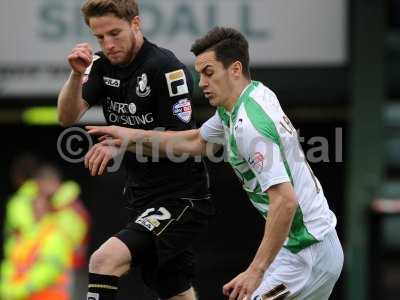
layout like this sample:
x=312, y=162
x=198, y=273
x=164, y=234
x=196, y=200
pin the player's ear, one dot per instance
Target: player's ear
x=236, y=69
x=136, y=23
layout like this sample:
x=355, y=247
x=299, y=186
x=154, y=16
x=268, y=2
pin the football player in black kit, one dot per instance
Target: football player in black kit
x=139, y=85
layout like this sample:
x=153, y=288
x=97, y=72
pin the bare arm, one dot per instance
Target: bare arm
x=283, y=206
x=71, y=105
x=174, y=142
x=178, y=142
x=117, y=140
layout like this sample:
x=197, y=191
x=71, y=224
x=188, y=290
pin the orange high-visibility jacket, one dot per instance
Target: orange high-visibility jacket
x=38, y=255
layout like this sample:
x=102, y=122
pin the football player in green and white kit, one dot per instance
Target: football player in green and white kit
x=300, y=255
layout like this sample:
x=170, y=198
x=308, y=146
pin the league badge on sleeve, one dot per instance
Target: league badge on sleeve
x=183, y=110
x=177, y=84
x=257, y=162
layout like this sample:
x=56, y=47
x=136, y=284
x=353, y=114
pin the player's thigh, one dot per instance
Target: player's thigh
x=327, y=266
x=320, y=289
x=173, y=279
x=285, y=278
x=171, y=274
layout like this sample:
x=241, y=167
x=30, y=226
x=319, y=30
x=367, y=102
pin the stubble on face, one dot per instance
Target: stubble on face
x=116, y=38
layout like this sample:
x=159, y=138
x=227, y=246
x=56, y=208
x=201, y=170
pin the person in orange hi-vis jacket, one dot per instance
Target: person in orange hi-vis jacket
x=39, y=257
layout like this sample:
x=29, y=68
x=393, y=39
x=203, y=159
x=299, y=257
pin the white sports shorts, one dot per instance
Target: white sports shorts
x=309, y=274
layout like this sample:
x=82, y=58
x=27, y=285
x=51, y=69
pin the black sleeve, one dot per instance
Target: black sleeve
x=175, y=96
x=93, y=82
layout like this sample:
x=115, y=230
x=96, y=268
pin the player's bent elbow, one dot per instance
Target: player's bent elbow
x=291, y=204
x=64, y=122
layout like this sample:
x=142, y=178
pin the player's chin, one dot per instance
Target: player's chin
x=117, y=60
x=213, y=102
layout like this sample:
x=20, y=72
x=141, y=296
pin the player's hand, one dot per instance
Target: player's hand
x=243, y=285
x=98, y=157
x=80, y=58
x=118, y=136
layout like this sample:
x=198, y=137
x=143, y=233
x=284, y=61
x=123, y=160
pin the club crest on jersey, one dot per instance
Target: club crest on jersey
x=142, y=88
x=183, y=110
x=177, y=84
x=257, y=162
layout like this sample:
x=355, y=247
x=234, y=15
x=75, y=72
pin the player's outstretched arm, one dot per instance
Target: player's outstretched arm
x=283, y=206
x=174, y=142
x=71, y=105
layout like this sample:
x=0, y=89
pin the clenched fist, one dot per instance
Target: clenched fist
x=80, y=58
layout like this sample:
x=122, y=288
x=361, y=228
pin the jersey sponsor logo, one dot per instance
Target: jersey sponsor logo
x=126, y=114
x=93, y=296
x=142, y=88
x=257, y=161
x=131, y=120
x=177, y=84
x=132, y=108
x=112, y=82
x=183, y=110
x=85, y=77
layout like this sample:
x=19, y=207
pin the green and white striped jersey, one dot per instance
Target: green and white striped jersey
x=264, y=150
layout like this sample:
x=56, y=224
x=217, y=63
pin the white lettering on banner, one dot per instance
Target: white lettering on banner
x=52, y=28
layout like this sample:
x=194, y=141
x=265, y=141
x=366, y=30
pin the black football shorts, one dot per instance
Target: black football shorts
x=159, y=236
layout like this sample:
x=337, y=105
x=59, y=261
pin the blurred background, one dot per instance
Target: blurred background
x=334, y=65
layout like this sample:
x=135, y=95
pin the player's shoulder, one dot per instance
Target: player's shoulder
x=98, y=61
x=260, y=110
x=263, y=100
x=262, y=92
x=164, y=58
x=99, y=57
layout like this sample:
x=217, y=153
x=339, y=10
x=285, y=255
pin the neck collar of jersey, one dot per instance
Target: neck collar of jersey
x=245, y=93
x=140, y=56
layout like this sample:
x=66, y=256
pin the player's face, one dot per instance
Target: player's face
x=116, y=37
x=215, y=80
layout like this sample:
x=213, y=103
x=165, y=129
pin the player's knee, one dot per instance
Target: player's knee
x=99, y=261
x=106, y=262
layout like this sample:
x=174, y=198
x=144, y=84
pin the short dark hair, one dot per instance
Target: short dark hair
x=123, y=9
x=229, y=46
